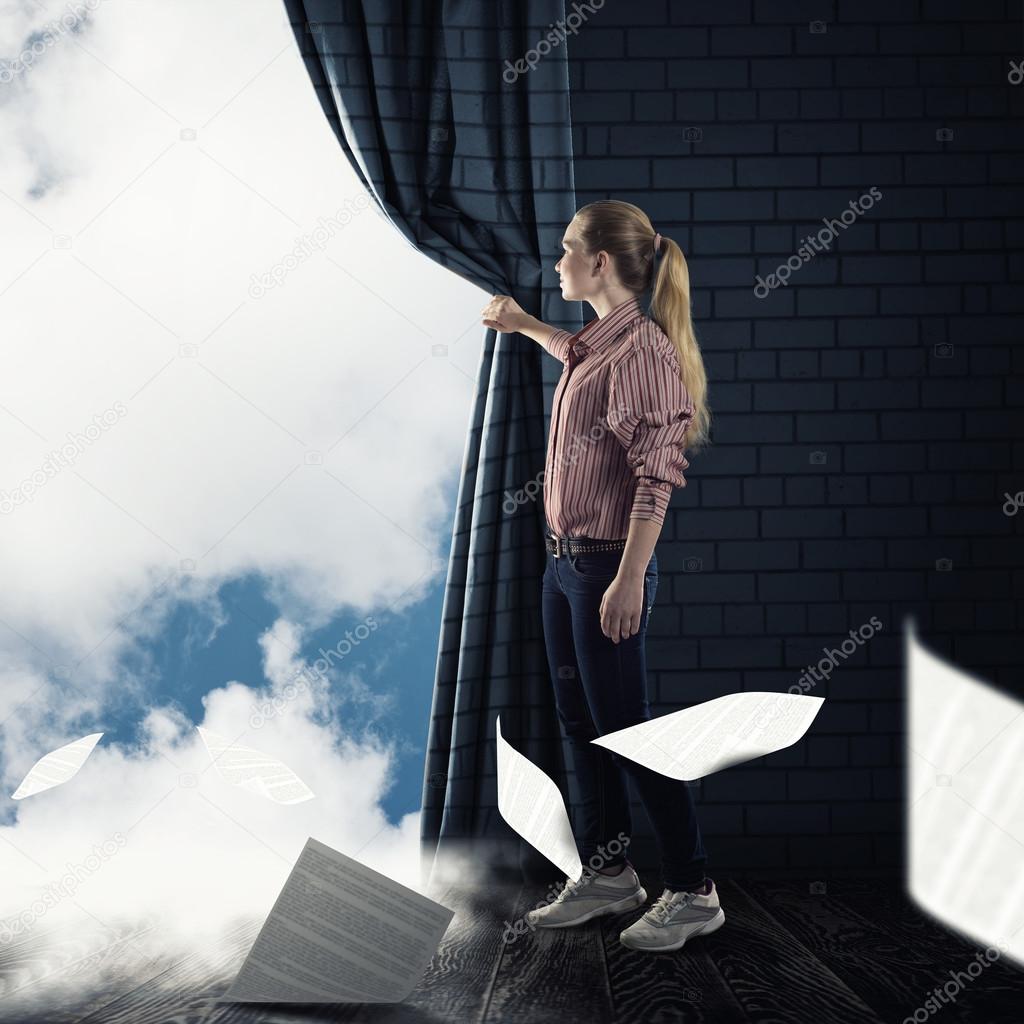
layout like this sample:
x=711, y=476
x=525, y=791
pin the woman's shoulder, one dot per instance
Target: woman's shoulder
x=647, y=340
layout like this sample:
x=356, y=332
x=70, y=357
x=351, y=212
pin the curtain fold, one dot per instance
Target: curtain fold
x=472, y=162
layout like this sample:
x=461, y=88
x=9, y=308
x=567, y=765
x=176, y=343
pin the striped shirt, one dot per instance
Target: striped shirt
x=618, y=419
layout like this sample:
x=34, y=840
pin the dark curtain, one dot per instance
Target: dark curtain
x=471, y=161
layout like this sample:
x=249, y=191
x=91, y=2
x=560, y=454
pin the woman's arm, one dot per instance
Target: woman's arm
x=504, y=314
x=537, y=329
x=622, y=606
x=643, y=536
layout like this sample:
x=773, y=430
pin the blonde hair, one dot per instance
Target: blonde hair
x=625, y=232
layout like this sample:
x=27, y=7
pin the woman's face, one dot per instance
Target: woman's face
x=573, y=269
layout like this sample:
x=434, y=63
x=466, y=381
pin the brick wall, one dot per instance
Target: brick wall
x=867, y=415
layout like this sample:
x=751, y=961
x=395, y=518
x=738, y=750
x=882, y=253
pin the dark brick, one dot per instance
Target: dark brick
x=802, y=364
x=837, y=427
x=737, y=41
x=805, y=490
x=792, y=395
x=870, y=750
x=785, y=618
x=817, y=137
x=790, y=171
x=828, y=751
x=762, y=491
x=698, y=73
x=752, y=653
x=823, y=853
x=743, y=620
x=736, y=104
x=733, y=205
x=788, y=819
x=803, y=586
x=899, y=236
x=712, y=587
x=835, y=785
x=802, y=522
x=663, y=41
x=733, y=555
x=740, y=853
x=742, y=785
x=702, y=620
x=828, y=554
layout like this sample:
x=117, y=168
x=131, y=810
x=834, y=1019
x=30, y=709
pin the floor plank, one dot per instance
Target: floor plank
x=184, y=990
x=874, y=938
x=551, y=976
x=457, y=984
x=57, y=974
x=665, y=988
x=774, y=977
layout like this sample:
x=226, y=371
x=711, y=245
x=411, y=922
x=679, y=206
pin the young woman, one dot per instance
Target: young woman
x=630, y=402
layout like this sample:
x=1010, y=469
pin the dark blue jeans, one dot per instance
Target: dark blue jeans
x=600, y=687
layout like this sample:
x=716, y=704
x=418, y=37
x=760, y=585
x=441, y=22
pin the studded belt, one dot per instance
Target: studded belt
x=559, y=546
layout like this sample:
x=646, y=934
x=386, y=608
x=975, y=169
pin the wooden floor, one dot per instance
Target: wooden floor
x=856, y=953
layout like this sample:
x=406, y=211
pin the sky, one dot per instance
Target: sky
x=217, y=460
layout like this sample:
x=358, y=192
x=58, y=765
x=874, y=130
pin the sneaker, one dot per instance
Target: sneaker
x=592, y=896
x=674, y=918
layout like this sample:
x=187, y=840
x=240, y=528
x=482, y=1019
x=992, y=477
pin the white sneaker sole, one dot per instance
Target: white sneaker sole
x=634, y=899
x=705, y=929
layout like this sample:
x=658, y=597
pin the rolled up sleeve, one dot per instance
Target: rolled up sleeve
x=649, y=411
x=559, y=344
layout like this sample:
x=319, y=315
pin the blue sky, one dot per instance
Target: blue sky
x=191, y=664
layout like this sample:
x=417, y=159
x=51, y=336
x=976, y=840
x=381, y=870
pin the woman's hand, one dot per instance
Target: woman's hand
x=504, y=314
x=622, y=608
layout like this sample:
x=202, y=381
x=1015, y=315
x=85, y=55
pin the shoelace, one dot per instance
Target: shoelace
x=667, y=905
x=571, y=888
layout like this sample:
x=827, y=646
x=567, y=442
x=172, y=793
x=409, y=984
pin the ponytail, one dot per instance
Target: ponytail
x=626, y=233
x=670, y=309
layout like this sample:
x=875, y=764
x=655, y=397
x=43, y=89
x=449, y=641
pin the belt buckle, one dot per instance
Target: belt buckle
x=559, y=550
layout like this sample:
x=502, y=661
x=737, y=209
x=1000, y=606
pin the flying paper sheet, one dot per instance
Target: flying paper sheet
x=965, y=800
x=340, y=932
x=531, y=803
x=56, y=767
x=717, y=734
x=255, y=771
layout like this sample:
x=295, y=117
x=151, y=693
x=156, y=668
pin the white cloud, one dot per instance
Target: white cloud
x=308, y=436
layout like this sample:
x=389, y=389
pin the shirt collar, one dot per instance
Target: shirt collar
x=601, y=331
